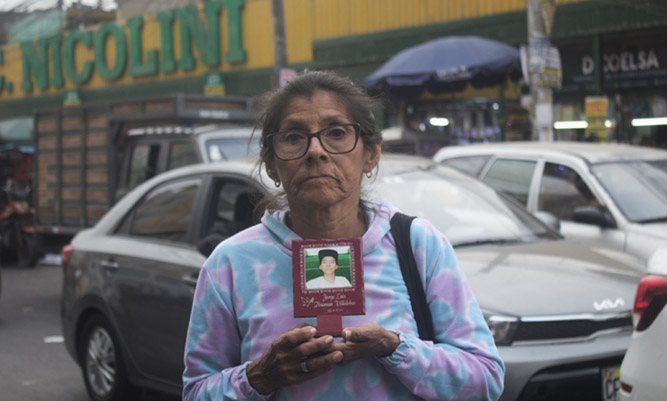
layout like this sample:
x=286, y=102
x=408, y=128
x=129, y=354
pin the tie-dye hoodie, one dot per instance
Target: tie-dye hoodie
x=243, y=301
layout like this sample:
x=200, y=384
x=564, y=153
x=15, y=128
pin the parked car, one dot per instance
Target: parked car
x=645, y=363
x=560, y=312
x=612, y=194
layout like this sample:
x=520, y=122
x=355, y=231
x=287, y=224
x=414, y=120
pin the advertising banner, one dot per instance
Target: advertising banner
x=596, y=117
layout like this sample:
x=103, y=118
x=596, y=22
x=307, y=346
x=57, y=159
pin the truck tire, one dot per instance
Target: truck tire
x=102, y=364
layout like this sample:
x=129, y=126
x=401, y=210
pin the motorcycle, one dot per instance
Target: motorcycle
x=17, y=235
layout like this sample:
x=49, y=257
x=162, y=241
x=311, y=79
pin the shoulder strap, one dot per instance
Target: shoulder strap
x=400, y=229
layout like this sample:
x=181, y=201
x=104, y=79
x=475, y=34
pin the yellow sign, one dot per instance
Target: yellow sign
x=214, y=84
x=596, y=117
x=71, y=98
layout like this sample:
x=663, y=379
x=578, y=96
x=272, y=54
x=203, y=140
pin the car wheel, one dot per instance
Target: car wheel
x=102, y=363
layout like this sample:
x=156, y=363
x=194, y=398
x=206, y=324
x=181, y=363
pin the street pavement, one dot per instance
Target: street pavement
x=34, y=363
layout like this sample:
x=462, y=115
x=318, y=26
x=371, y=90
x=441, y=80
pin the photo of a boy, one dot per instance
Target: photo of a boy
x=328, y=259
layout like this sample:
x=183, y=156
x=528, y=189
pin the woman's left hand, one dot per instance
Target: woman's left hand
x=369, y=339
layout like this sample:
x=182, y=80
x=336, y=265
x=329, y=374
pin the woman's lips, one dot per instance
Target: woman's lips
x=318, y=178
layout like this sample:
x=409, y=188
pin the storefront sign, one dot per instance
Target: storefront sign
x=113, y=51
x=631, y=64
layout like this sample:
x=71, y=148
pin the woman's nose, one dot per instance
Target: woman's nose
x=316, y=149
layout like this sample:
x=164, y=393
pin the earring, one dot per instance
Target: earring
x=276, y=183
x=369, y=174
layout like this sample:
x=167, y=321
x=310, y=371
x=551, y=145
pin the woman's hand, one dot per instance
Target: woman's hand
x=283, y=362
x=369, y=339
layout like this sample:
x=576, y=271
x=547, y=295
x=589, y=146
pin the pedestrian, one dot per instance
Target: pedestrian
x=318, y=142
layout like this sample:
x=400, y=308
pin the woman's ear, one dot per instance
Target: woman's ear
x=374, y=152
x=269, y=171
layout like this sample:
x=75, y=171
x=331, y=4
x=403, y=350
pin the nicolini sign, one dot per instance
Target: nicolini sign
x=52, y=72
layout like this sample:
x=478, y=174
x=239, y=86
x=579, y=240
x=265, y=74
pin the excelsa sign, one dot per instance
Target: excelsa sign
x=49, y=63
x=634, y=63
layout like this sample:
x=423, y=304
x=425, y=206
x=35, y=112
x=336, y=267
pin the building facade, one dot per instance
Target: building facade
x=611, y=49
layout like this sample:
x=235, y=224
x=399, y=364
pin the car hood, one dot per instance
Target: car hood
x=550, y=278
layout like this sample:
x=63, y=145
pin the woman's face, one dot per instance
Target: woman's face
x=320, y=179
x=328, y=265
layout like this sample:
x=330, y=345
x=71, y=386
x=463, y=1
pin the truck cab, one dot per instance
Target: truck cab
x=149, y=150
x=88, y=157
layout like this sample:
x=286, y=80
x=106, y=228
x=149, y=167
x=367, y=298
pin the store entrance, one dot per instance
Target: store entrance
x=432, y=125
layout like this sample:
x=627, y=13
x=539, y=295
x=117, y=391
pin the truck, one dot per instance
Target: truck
x=87, y=157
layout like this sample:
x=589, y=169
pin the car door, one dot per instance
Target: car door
x=230, y=206
x=561, y=190
x=155, y=283
x=152, y=277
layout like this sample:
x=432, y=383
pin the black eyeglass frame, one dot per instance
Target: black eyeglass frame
x=310, y=136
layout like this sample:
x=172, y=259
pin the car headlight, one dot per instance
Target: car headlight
x=502, y=327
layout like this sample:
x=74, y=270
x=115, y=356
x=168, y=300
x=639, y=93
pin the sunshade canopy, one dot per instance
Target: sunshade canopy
x=446, y=65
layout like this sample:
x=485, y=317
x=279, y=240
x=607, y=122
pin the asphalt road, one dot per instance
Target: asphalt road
x=34, y=363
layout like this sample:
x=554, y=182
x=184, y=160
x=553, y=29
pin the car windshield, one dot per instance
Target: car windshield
x=219, y=149
x=466, y=210
x=638, y=188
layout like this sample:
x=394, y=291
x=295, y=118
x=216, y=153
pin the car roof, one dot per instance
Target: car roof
x=592, y=153
x=226, y=131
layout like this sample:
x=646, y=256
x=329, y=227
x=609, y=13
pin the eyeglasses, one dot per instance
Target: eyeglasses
x=336, y=139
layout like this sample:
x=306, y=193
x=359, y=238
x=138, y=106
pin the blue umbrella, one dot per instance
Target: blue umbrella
x=446, y=65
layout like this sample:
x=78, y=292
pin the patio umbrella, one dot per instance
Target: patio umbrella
x=446, y=65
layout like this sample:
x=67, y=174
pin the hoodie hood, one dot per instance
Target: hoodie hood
x=379, y=216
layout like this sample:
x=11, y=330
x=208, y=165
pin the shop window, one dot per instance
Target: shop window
x=511, y=177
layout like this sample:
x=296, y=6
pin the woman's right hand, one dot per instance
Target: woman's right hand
x=281, y=362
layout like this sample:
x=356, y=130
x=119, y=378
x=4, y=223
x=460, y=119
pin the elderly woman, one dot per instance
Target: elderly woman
x=318, y=142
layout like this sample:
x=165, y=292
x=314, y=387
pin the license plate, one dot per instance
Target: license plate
x=611, y=383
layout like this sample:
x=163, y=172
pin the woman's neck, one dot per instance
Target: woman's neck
x=311, y=223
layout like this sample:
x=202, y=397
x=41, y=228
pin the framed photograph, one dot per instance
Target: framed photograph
x=328, y=277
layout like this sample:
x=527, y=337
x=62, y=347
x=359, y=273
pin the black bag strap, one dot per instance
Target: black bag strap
x=400, y=229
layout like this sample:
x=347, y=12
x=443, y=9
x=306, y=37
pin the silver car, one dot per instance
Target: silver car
x=560, y=312
x=610, y=194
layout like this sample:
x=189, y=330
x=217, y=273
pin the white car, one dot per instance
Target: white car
x=645, y=363
x=609, y=194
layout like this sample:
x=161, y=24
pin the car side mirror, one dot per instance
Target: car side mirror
x=549, y=219
x=593, y=215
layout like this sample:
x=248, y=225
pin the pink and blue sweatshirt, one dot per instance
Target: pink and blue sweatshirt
x=243, y=301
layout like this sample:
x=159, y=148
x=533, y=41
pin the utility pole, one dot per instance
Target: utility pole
x=278, y=40
x=540, y=23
